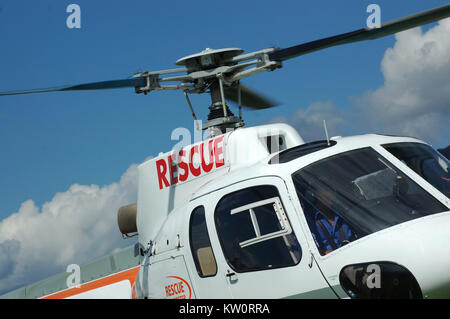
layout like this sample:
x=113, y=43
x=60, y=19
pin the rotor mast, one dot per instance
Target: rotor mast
x=220, y=116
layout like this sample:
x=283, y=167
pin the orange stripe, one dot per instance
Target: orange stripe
x=129, y=274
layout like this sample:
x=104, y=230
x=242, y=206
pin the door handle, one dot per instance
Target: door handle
x=311, y=260
x=232, y=276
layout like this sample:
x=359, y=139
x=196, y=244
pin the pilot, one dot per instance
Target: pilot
x=330, y=231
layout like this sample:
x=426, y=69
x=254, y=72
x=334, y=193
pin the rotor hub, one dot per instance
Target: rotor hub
x=209, y=58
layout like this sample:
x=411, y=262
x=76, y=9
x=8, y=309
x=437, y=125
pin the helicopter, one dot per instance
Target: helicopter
x=241, y=214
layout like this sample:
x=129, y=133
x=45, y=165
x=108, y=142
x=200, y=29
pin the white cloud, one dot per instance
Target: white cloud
x=414, y=99
x=74, y=227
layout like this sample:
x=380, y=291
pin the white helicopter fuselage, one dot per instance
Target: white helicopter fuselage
x=227, y=220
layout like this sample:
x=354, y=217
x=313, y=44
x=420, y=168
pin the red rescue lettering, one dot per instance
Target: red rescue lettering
x=183, y=166
x=161, y=168
x=174, y=289
x=207, y=168
x=198, y=161
x=172, y=170
x=196, y=171
x=219, y=151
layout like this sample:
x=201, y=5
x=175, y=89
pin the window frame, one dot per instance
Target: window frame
x=286, y=228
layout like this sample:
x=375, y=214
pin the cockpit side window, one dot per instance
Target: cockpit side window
x=254, y=230
x=360, y=190
x=425, y=161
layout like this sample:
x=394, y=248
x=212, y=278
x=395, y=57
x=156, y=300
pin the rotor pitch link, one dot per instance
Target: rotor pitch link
x=153, y=84
x=264, y=64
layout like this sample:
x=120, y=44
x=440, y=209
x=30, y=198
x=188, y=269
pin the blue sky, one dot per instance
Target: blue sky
x=49, y=142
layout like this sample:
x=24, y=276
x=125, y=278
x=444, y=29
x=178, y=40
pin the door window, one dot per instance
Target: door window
x=254, y=230
x=200, y=244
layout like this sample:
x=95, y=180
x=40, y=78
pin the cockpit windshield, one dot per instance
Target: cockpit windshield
x=356, y=193
x=425, y=161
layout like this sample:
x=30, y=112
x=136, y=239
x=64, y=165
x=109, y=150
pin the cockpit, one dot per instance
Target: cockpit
x=356, y=193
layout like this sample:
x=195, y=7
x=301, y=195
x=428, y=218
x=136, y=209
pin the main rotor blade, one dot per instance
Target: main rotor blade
x=114, y=84
x=385, y=29
x=249, y=98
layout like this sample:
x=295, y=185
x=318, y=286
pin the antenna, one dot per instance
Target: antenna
x=326, y=132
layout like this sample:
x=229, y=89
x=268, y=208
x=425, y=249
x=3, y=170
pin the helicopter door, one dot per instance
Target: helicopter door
x=262, y=243
x=204, y=264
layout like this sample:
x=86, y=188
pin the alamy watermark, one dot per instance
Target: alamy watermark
x=269, y=138
x=374, y=19
x=73, y=21
x=374, y=279
x=74, y=279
